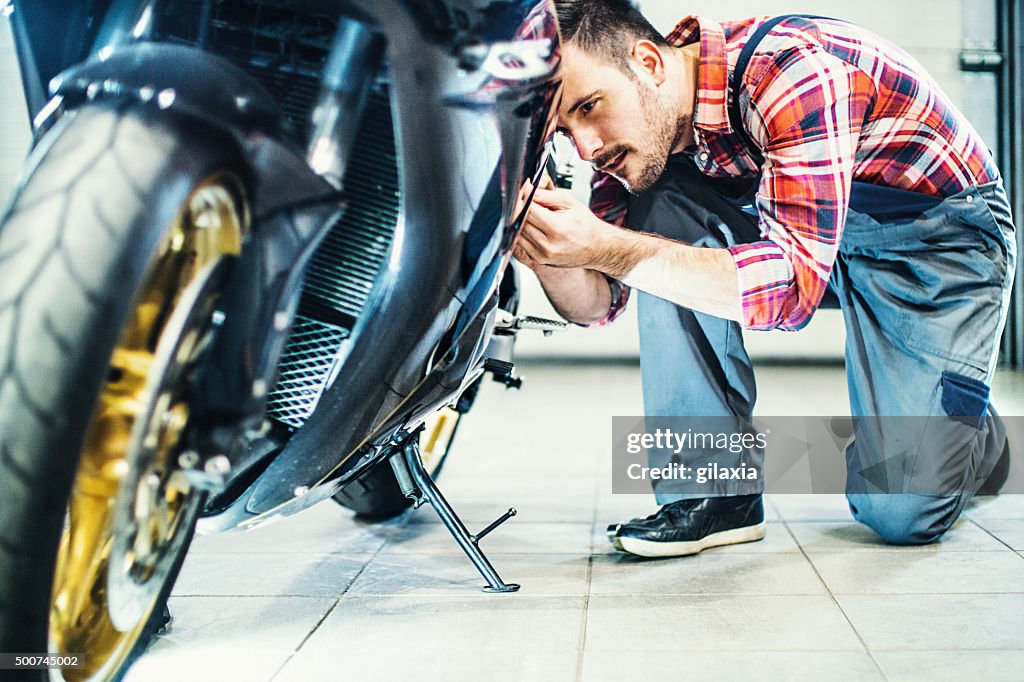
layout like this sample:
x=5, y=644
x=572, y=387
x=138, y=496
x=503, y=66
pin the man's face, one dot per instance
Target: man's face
x=624, y=126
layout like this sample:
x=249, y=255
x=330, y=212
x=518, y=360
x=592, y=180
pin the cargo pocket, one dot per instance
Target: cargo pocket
x=945, y=273
x=965, y=399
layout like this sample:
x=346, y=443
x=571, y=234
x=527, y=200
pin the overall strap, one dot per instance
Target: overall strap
x=736, y=81
x=883, y=203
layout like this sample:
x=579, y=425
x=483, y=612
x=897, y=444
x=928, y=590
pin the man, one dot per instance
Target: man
x=864, y=180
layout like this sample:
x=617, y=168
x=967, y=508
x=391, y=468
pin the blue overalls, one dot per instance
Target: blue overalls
x=924, y=286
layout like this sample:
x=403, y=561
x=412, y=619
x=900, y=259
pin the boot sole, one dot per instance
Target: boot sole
x=648, y=548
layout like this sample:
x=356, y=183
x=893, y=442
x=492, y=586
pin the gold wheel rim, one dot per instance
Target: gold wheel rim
x=137, y=412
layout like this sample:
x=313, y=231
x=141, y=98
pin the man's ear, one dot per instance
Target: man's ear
x=650, y=60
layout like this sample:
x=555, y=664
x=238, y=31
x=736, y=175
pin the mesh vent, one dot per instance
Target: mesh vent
x=283, y=48
x=305, y=367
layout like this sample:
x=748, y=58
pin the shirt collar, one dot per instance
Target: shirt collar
x=712, y=111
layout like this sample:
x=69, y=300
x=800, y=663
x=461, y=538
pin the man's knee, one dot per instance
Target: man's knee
x=905, y=519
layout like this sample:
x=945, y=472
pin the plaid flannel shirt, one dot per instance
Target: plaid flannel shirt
x=827, y=103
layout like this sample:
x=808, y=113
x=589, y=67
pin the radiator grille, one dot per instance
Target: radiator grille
x=340, y=276
x=344, y=268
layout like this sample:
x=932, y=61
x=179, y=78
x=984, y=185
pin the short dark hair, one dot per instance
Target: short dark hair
x=606, y=28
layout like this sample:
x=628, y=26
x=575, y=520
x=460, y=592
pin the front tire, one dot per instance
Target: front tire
x=112, y=254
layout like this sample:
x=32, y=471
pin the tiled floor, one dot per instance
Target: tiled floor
x=323, y=597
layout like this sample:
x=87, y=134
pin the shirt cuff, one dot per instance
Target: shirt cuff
x=620, y=296
x=766, y=282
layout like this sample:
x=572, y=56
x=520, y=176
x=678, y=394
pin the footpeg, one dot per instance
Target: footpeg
x=417, y=484
x=542, y=324
x=508, y=322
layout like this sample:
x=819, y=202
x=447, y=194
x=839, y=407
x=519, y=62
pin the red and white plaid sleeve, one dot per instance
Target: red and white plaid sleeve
x=807, y=110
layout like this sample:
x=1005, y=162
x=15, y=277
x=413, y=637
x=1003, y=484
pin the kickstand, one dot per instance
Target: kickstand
x=417, y=485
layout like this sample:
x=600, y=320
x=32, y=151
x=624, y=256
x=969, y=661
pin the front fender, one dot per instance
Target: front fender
x=188, y=79
x=213, y=92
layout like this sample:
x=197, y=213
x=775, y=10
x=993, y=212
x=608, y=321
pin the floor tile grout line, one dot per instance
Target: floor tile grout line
x=913, y=550
x=333, y=606
x=835, y=601
x=990, y=533
x=253, y=596
x=803, y=594
x=291, y=654
x=585, y=615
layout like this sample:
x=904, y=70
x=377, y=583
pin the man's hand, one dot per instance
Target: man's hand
x=579, y=295
x=568, y=247
x=561, y=232
x=524, y=196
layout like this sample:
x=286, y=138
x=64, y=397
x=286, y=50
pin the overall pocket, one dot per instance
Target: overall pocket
x=943, y=274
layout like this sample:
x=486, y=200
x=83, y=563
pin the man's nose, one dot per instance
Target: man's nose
x=587, y=146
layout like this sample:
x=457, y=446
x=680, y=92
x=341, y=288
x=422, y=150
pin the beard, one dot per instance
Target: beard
x=664, y=127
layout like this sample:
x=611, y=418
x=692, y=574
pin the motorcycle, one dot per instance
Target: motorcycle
x=258, y=258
